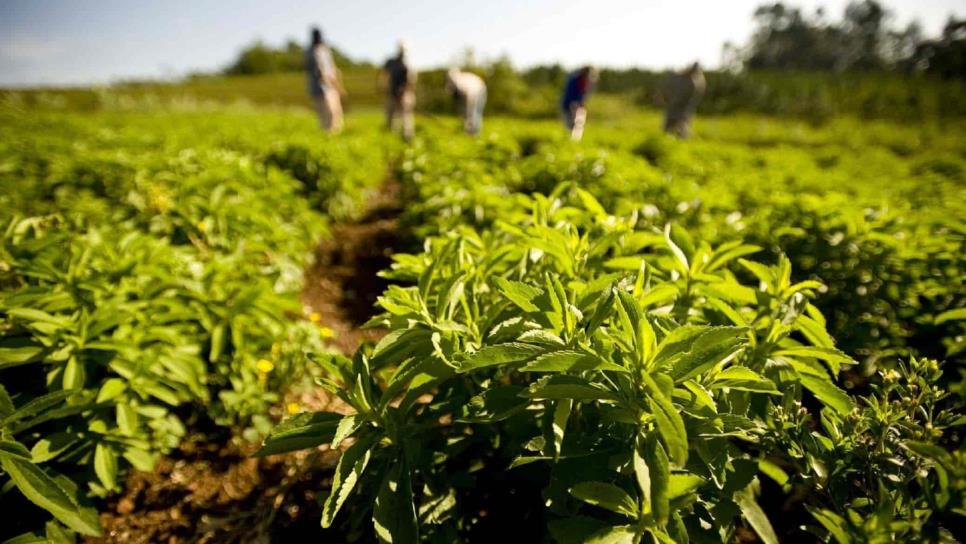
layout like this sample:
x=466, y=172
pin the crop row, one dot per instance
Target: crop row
x=150, y=270
x=606, y=376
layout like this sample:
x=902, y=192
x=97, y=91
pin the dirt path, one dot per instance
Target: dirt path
x=211, y=489
x=342, y=285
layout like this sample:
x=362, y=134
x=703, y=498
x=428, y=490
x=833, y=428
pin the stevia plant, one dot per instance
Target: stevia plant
x=632, y=364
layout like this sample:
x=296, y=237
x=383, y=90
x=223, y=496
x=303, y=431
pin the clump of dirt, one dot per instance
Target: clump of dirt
x=211, y=489
x=342, y=285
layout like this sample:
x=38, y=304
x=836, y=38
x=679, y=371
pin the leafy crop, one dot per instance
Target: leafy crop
x=626, y=339
x=156, y=289
x=634, y=365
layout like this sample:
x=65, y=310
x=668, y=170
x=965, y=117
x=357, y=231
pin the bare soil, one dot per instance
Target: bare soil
x=211, y=489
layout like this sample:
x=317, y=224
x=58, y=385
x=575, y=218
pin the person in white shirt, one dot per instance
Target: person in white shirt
x=470, y=89
x=324, y=83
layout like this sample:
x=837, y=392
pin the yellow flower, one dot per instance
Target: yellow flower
x=264, y=366
x=293, y=408
x=202, y=226
x=315, y=317
x=326, y=332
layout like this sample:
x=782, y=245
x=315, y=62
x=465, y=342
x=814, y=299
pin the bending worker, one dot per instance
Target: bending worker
x=470, y=90
x=324, y=82
x=399, y=78
x=573, y=102
x=682, y=93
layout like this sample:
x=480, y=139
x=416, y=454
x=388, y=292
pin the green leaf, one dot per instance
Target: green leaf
x=754, y=515
x=347, y=426
x=728, y=252
x=394, y=513
x=53, y=444
x=74, y=373
x=566, y=360
x=681, y=484
x=519, y=293
x=950, y=315
x=562, y=386
x=399, y=345
x=495, y=404
x=57, y=534
x=575, y=530
x=589, y=202
x=773, y=471
x=669, y=423
x=218, y=343
x=621, y=534
x=500, y=354
x=30, y=538
x=833, y=523
x=676, y=250
x=14, y=448
x=305, y=430
x=111, y=389
x=606, y=495
x=828, y=393
x=141, y=459
x=561, y=414
x=690, y=350
x=37, y=316
x=743, y=379
x=43, y=491
x=6, y=403
x=37, y=406
x=659, y=476
x=105, y=465
x=833, y=357
x=127, y=418
x=677, y=530
x=814, y=331
x=15, y=356
x=351, y=465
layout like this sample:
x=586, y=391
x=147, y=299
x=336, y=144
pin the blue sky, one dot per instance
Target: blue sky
x=82, y=42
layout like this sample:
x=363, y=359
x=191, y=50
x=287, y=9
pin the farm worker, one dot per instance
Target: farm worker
x=573, y=101
x=399, y=79
x=470, y=89
x=325, y=83
x=682, y=93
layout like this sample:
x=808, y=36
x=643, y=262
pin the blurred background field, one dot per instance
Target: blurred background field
x=814, y=97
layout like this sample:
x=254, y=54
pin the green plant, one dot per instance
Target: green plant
x=632, y=364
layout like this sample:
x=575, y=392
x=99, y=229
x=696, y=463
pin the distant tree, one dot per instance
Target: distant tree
x=785, y=39
x=505, y=87
x=259, y=58
x=540, y=76
x=863, y=40
x=946, y=56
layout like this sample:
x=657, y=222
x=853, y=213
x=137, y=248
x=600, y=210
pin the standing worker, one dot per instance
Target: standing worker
x=400, y=81
x=325, y=83
x=682, y=93
x=573, y=102
x=470, y=89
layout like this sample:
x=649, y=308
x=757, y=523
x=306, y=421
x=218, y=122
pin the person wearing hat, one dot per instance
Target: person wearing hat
x=469, y=89
x=324, y=83
x=399, y=78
